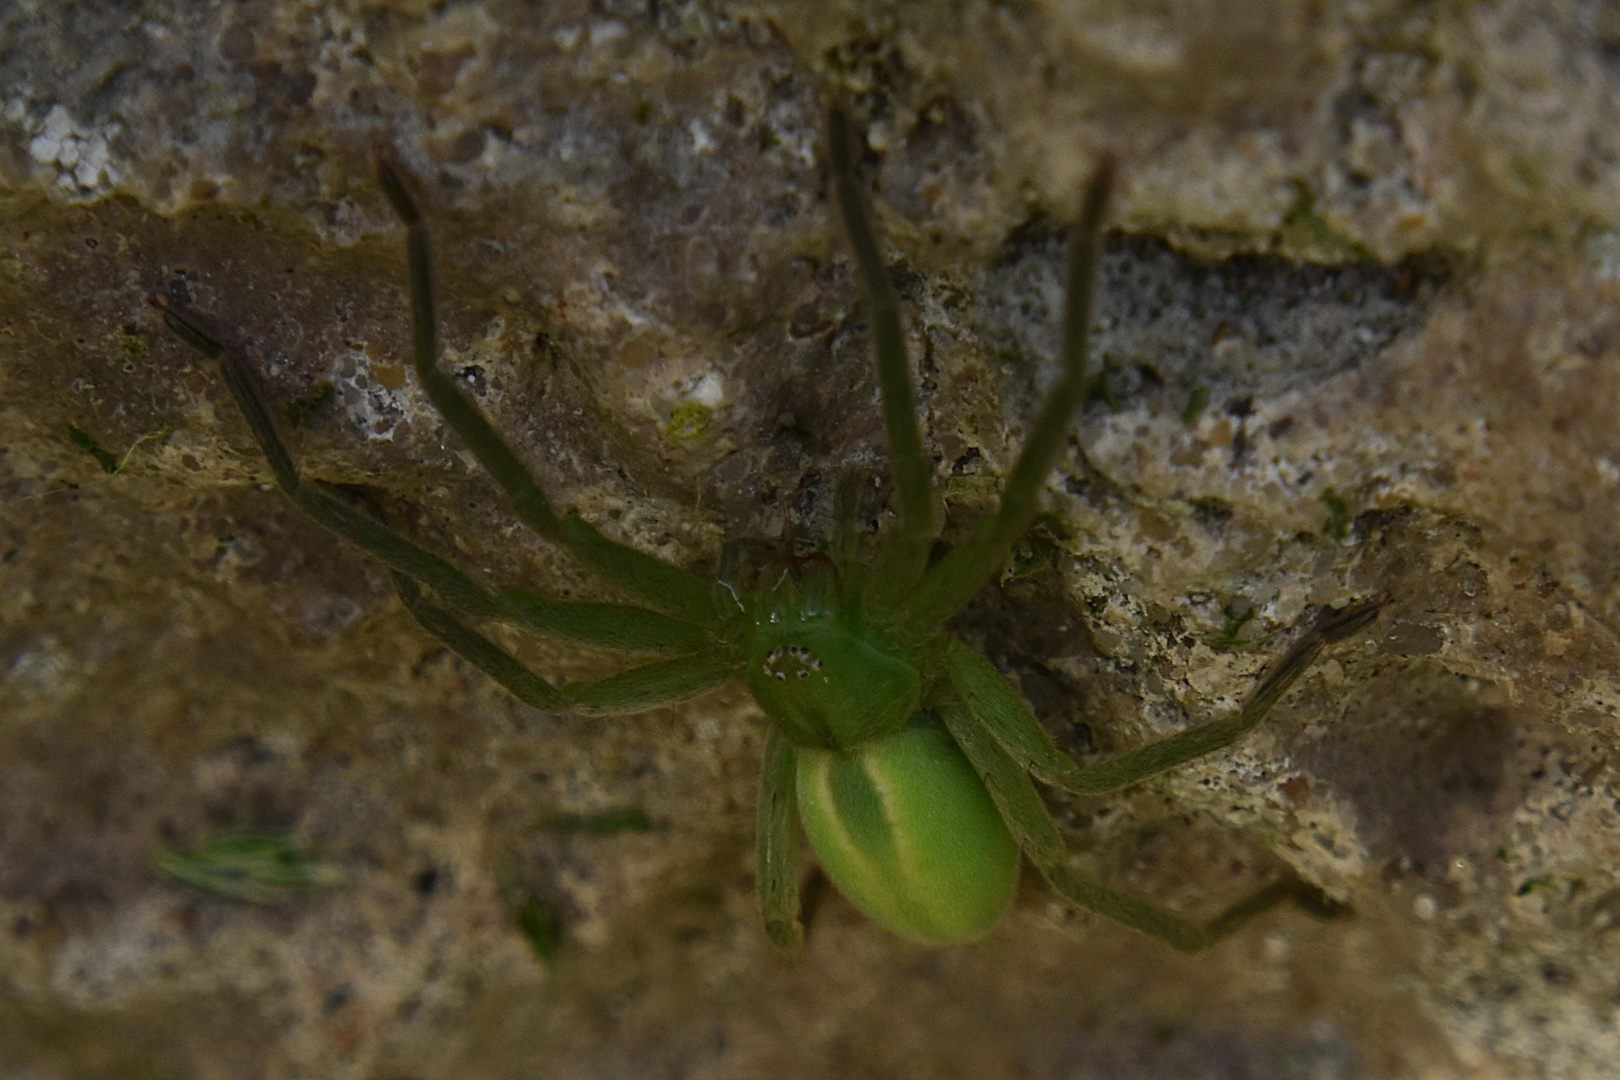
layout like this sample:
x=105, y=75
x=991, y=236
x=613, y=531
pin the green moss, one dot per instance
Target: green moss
x=135, y=343
x=1233, y=625
x=1556, y=887
x=538, y=922
x=1230, y=637
x=299, y=409
x=1302, y=214
x=689, y=422
x=1337, y=525
x=540, y=926
x=110, y=463
x=84, y=441
x=624, y=819
x=1100, y=389
x=1026, y=561
x=253, y=867
x=1195, y=405
x=969, y=485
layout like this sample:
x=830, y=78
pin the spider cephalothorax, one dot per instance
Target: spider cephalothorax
x=828, y=674
x=905, y=755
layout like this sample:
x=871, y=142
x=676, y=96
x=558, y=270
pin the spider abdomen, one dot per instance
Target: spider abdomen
x=904, y=827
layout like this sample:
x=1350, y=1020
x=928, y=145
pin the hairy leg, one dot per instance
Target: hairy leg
x=610, y=626
x=645, y=577
x=902, y=558
x=650, y=686
x=777, y=842
x=955, y=579
x=1002, y=713
x=1037, y=835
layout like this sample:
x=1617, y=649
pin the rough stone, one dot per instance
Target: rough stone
x=1356, y=335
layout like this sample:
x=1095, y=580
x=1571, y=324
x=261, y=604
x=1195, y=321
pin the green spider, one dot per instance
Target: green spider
x=905, y=755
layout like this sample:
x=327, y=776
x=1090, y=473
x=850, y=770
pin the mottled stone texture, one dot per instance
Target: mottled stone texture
x=1376, y=241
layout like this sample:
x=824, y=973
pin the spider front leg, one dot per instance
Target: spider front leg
x=645, y=577
x=619, y=627
x=900, y=561
x=1004, y=715
x=363, y=531
x=957, y=578
x=650, y=686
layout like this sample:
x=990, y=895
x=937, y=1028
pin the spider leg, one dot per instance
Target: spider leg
x=358, y=528
x=955, y=579
x=619, y=627
x=650, y=686
x=777, y=843
x=647, y=578
x=1001, y=712
x=610, y=626
x=1037, y=835
x=478, y=650
x=900, y=562
x=996, y=706
x=845, y=546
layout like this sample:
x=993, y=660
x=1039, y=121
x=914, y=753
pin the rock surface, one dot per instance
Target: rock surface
x=1356, y=335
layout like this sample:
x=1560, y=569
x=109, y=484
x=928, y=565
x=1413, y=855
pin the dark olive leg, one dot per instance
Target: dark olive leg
x=777, y=840
x=1005, y=715
x=901, y=560
x=1032, y=827
x=618, y=627
x=650, y=686
x=648, y=579
x=478, y=650
x=358, y=528
x=957, y=578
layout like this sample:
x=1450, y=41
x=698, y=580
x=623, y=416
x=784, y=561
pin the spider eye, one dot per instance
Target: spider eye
x=830, y=685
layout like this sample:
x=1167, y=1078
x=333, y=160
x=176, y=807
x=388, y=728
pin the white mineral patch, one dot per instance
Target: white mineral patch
x=605, y=33
x=1604, y=251
x=41, y=671
x=80, y=155
x=702, y=141
x=707, y=390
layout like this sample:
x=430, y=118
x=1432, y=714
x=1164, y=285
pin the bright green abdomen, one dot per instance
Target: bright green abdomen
x=905, y=828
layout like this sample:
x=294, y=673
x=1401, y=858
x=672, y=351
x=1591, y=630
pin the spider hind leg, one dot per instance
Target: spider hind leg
x=1037, y=835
